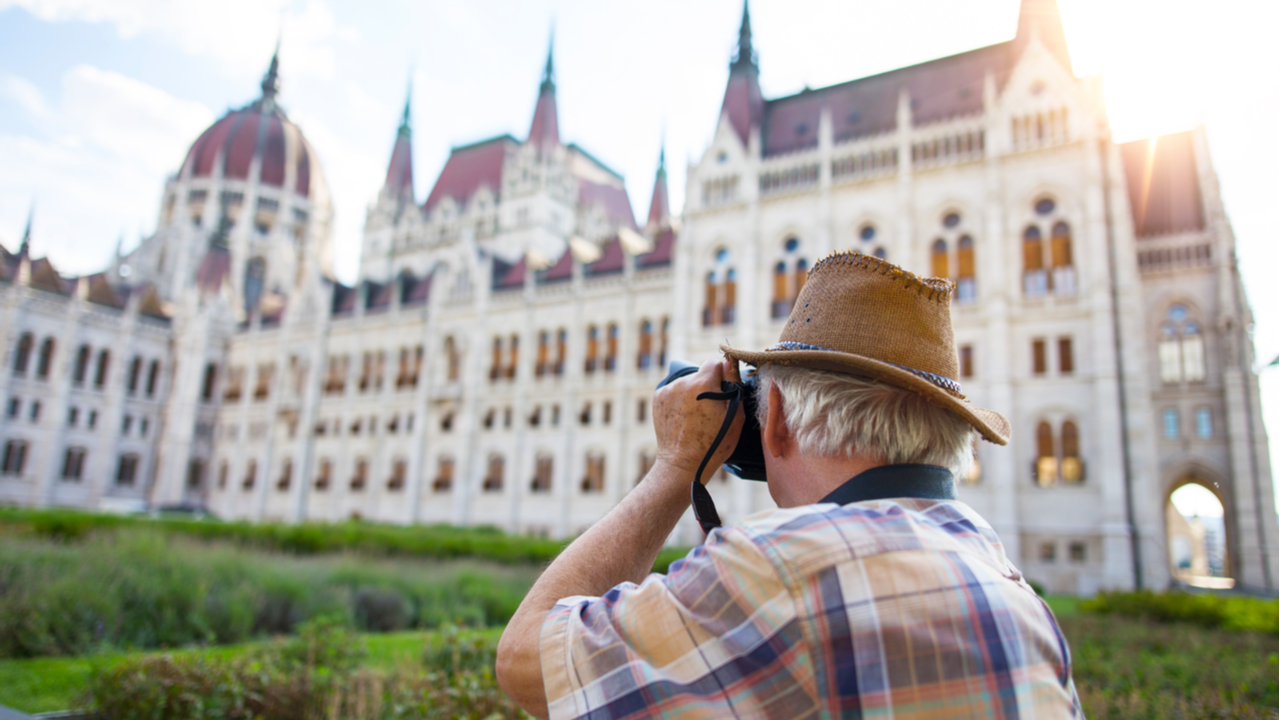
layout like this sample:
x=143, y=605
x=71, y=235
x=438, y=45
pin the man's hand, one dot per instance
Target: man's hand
x=686, y=426
x=622, y=546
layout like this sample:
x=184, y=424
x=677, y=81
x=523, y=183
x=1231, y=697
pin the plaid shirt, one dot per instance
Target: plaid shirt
x=904, y=608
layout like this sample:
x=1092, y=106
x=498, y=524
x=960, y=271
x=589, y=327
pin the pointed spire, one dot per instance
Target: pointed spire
x=743, y=103
x=271, y=81
x=399, y=182
x=1040, y=19
x=659, y=208
x=745, y=60
x=545, y=129
x=25, y=247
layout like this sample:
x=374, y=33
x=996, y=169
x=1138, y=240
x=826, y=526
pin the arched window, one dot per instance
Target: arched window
x=1064, y=274
x=15, y=457
x=153, y=377
x=966, y=282
x=1034, y=279
x=593, y=349
x=1046, y=468
x=781, y=301
x=223, y=470
x=1072, y=465
x=611, y=348
x=729, y=297
x=45, y=361
x=135, y=372
x=562, y=343
x=662, y=343
x=802, y=275
x=881, y=253
x=255, y=274
x=323, y=477
x=710, y=292
x=939, y=266
x=542, y=473
x=444, y=474
x=100, y=373
x=1181, y=347
x=286, y=475
x=867, y=232
x=81, y=368
x=544, y=351
x=73, y=463
x=399, y=473
x=514, y=361
x=22, y=357
x=593, y=478
x=493, y=473
x=495, y=365
x=361, y=476
x=452, y=359
x=644, y=358
x=127, y=469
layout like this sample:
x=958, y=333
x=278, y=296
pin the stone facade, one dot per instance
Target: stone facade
x=494, y=362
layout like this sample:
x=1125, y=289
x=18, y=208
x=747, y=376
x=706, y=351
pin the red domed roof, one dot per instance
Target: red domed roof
x=259, y=130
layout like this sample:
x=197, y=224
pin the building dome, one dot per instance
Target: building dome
x=259, y=131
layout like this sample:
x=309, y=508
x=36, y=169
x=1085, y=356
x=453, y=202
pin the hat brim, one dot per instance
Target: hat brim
x=993, y=426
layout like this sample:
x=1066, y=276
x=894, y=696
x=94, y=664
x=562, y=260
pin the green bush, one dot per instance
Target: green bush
x=1209, y=611
x=315, y=675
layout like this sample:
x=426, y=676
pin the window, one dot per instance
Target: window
x=143, y=425
x=1048, y=551
x=506, y=417
x=22, y=357
x=127, y=470
x=1076, y=552
x=611, y=348
x=444, y=474
x=446, y=422
x=966, y=361
x=1172, y=424
x=867, y=232
x=15, y=457
x=1039, y=363
x=195, y=474
x=514, y=360
x=286, y=475
x=366, y=372
x=881, y=253
x=325, y=475
x=642, y=410
x=235, y=377
x=938, y=265
x=593, y=349
x=720, y=291
x=562, y=343
x=542, y=466
x=15, y=406
x=45, y=361
x=73, y=416
x=493, y=473
x=1046, y=470
x=1034, y=280
x=951, y=220
x=361, y=475
x=35, y=411
x=593, y=480
x=584, y=417
x=555, y=415
x=335, y=379
x=100, y=372
x=81, y=368
x=222, y=475
x=535, y=417
x=135, y=372
x=452, y=358
x=250, y=475
x=261, y=389
x=662, y=343
x=1044, y=206
x=729, y=297
x=1066, y=358
x=93, y=419
x=1204, y=423
x=606, y=414
x=1181, y=347
x=1064, y=275
x=73, y=463
x=1072, y=465
x=789, y=276
x=399, y=471
x=541, y=367
x=210, y=380
x=966, y=284
x=126, y=425
x=644, y=357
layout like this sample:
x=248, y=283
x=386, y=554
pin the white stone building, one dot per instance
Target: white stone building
x=494, y=362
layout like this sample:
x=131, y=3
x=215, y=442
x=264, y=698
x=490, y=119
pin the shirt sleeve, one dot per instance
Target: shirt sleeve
x=720, y=630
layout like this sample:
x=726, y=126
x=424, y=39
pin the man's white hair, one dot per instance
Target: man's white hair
x=832, y=414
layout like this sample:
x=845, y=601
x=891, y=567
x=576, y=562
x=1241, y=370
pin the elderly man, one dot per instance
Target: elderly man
x=871, y=591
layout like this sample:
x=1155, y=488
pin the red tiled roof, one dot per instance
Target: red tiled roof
x=400, y=169
x=414, y=289
x=1164, y=187
x=743, y=103
x=939, y=89
x=545, y=129
x=240, y=136
x=377, y=296
x=562, y=270
x=611, y=260
x=469, y=168
x=663, y=251
x=658, y=207
x=507, y=276
x=617, y=206
x=344, y=299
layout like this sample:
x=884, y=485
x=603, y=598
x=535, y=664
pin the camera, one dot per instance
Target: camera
x=747, y=459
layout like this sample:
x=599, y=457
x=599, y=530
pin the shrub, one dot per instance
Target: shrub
x=1209, y=611
x=380, y=609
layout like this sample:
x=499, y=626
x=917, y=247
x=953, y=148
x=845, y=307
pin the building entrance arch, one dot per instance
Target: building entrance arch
x=1197, y=539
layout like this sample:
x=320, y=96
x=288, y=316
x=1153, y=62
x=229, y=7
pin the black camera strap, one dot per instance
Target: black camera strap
x=704, y=508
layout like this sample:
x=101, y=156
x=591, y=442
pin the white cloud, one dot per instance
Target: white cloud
x=96, y=164
x=236, y=33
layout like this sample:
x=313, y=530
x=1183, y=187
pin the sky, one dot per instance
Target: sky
x=100, y=99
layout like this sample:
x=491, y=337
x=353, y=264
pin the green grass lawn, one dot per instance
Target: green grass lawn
x=54, y=683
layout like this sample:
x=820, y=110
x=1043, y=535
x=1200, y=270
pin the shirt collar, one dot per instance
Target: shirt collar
x=930, y=482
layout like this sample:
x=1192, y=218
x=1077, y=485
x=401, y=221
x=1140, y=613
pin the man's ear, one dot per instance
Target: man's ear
x=774, y=435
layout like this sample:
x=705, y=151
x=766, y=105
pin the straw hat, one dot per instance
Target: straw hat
x=861, y=315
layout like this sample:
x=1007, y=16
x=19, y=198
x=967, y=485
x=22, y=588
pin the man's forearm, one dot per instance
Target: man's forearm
x=621, y=547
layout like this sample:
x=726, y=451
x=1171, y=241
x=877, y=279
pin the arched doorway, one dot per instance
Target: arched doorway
x=1196, y=536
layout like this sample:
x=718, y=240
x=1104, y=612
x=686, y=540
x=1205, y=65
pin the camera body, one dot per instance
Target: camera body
x=747, y=459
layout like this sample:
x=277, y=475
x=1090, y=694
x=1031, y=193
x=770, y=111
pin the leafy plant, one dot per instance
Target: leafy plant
x=1209, y=611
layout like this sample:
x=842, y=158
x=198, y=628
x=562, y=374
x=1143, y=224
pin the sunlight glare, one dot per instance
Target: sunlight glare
x=1192, y=500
